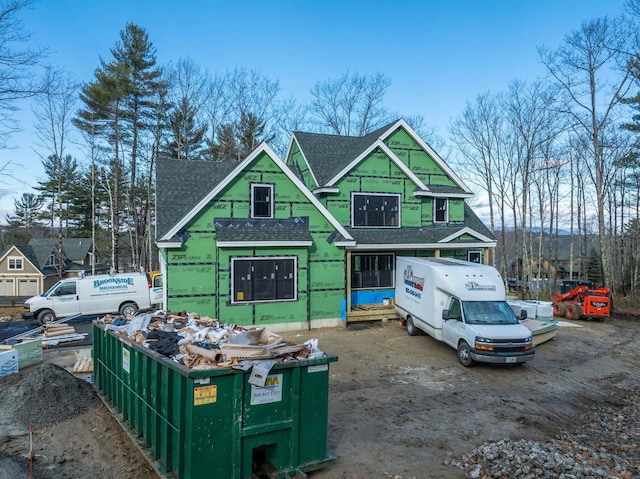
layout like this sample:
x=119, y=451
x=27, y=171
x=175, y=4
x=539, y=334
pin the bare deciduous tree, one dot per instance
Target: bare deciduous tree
x=582, y=67
x=350, y=105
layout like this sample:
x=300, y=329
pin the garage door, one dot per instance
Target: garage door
x=27, y=287
x=6, y=287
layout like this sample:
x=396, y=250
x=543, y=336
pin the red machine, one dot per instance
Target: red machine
x=583, y=302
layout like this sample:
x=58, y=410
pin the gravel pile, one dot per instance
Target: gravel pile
x=606, y=445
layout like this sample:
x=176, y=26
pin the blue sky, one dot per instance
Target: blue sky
x=438, y=55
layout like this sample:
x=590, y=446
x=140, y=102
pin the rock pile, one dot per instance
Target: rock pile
x=605, y=446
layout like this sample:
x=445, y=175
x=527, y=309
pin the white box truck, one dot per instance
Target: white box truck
x=124, y=293
x=464, y=305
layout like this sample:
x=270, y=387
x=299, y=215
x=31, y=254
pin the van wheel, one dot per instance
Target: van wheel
x=464, y=354
x=411, y=328
x=46, y=316
x=128, y=309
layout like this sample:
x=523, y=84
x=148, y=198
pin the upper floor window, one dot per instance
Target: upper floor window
x=15, y=263
x=53, y=261
x=441, y=210
x=261, y=201
x=375, y=210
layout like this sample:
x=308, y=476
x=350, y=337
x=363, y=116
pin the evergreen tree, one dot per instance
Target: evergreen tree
x=25, y=220
x=135, y=55
x=227, y=147
x=120, y=109
x=594, y=267
x=251, y=132
x=187, y=136
x=58, y=189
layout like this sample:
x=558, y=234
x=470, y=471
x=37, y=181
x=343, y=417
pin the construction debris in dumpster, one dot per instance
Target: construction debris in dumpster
x=204, y=343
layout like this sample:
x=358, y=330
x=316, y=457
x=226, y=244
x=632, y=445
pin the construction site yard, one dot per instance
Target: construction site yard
x=400, y=407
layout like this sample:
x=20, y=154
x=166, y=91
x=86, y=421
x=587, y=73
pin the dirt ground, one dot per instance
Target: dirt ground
x=399, y=406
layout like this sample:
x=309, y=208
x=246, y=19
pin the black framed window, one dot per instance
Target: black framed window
x=441, y=210
x=262, y=201
x=376, y=210
x=372, y=271
x=263, y=279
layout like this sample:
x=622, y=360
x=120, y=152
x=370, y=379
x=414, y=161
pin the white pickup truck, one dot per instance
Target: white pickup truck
x=464, y=305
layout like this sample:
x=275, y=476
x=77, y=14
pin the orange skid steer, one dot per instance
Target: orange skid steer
x=583, y=302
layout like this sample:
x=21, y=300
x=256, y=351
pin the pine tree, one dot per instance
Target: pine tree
x=120, y=110
x=227, y=147
x=58, y=189
x=188, y=136
x=26, y=218
x=250, y=134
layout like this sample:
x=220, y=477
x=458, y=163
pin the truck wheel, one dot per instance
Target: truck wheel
x=46, y=316
x=559, y=309
x=128, y=309
x=464, y=354
x=574, y=311
x=411, y=328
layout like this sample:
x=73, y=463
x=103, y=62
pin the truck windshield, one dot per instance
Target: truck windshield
x=488, y=312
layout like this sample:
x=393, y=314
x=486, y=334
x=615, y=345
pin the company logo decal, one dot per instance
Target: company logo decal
x=415, y=284
x=111, y=284
x=473, y=286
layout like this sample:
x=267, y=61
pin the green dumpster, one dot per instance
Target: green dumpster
x=214, y=423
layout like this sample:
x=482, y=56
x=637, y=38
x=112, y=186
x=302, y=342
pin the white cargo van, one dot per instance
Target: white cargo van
x=124, y=293
x=462, y=304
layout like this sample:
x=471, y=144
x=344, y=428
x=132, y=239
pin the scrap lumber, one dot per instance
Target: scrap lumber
x=59, y=331
x=83, y=365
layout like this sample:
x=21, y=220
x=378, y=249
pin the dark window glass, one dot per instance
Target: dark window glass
x=455, y=312
x=371, y=271
x=375, y=210
x=263, y=279
x=66, y=289
x=441, y=210
x=261, y=201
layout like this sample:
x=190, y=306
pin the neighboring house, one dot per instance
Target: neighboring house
x=28, y=270
x=262, y=242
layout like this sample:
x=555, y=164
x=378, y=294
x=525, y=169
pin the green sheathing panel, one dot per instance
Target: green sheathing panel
x=426, y=211
x=325, y=304
x=296, y=162
x=192, y=271
x=467, y=237
x=456, y=211
x=263, y=171
x=376, y=174
x=264, y=312
x=199, y=273
x=418, y=160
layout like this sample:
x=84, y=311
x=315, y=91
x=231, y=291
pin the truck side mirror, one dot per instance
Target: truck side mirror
x=523, y=314
x=445, y=314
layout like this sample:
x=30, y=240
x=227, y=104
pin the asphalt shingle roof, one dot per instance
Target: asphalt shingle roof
x=181, y=185
x=38, y=251
x=73, y=248
x=327, y=155
x=418, y=235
